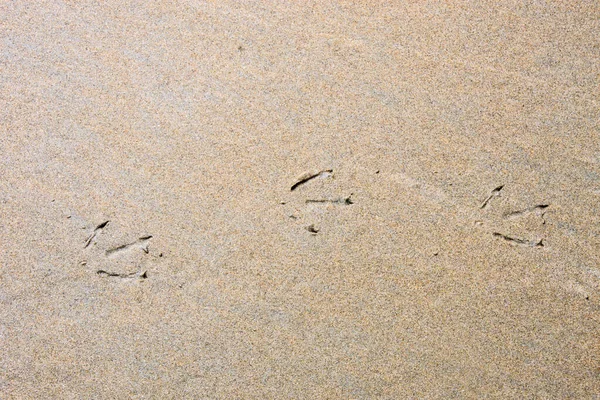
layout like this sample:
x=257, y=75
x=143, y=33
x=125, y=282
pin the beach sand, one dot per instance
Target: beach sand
x=440, y=241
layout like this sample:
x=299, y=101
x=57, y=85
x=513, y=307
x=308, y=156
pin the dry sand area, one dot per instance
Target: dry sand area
x=300, y=200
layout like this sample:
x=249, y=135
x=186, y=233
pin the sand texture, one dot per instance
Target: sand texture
x=300, y=200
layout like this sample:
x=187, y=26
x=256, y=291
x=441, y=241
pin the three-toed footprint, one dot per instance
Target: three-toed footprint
x=520, y=226
x=111, y=254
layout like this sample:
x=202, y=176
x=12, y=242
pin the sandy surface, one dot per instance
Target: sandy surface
x=451, y=252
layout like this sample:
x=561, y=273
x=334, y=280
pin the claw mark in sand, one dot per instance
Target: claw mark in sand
x=93, y=234
x=519, y=241
x=342, y=200
x=141, y=243
x=307, y=176
x=540, y=210
x=494, y=193
x=141, y=275
x=313, y=229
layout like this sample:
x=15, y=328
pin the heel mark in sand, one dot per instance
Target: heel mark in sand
x=493, y=193
x=94, y=233
x=521, y=242
x=308, y=176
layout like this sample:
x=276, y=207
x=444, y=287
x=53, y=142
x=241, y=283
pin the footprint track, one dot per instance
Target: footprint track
x=142, y=243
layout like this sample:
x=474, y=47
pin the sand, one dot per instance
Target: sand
x=440, y=241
